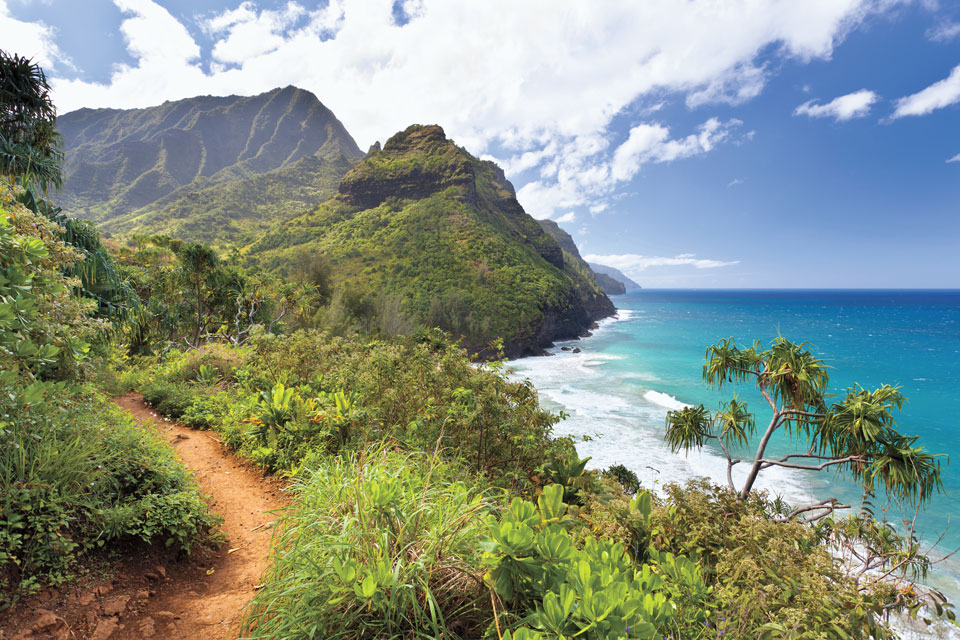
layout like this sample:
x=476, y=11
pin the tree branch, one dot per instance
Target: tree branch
x=788, y=465
x=730, y=461
x=828, y=506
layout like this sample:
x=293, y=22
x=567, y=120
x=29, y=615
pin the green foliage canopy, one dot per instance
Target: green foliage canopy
x=29, y=142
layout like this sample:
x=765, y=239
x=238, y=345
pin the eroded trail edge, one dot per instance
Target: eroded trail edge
x=207, y=601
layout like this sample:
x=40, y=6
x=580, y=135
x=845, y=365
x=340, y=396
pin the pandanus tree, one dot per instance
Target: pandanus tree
x=197, y=263
x=29, y=143
x=855, y=432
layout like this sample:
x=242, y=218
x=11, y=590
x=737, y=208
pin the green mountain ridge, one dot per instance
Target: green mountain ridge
x=216, y=169
x=429, y=224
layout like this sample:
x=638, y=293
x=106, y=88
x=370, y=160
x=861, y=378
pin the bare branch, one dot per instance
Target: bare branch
x=789, y=465
x=828, y=506
x=730, y=461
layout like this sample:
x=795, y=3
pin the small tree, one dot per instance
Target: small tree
x=29, y=142
x=856, y=433
x=197, y=262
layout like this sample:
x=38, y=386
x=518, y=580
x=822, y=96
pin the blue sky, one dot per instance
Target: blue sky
x=745, y=143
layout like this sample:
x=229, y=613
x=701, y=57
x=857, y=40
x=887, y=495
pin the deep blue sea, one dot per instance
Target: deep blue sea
x=635, y=367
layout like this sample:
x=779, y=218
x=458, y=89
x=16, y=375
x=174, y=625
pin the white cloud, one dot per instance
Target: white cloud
x=733, y=87
x=537, y=82
x=852, y=105
x=650, y=143
x=34, y=40
x=245, y=33
x=944, y=32
x=955, y=158
x=633, y=264
x=937, y=96
x=735, y=182
x=584, y=173
x=154, y=37
x=570, y=216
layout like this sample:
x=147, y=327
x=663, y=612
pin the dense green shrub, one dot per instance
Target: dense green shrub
x=383, y=546
x=302, y=396
x=768, y=577
x=220, y=360
x=169, y=398
x=77, y=473
x=594, y=591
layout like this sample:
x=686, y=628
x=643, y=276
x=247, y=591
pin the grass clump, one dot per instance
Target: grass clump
x=381, y=546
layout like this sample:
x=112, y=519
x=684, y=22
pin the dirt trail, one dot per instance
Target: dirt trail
x=205, y=602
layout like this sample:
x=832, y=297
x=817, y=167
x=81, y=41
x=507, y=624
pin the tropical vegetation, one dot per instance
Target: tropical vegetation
x=430, y=493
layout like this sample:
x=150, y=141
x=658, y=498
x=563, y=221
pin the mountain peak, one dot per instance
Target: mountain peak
x=413, y=164
x=417, y=137
x=126, y=167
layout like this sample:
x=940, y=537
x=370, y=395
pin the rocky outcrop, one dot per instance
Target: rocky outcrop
x=403, y=177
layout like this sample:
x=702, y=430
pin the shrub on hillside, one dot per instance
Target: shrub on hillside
x=302, y=396
x=169, y=398
x=78, y=473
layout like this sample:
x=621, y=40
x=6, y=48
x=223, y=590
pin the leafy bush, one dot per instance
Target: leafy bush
x=218, y=361
x=77, y=473
x=310, y=394
x=381, y=547
x=627, y=479
x=169, y=398
x=769, y=578
x=594, y=592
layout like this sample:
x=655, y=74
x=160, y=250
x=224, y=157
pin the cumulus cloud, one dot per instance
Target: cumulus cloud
x=955, y=158
x=852, y=105
x=632, y=263
x=531, y=82
x=570, y=216
x=585, y=173
x=34, y=40
x=245, y=33
x=937, y=96
x=650, y=143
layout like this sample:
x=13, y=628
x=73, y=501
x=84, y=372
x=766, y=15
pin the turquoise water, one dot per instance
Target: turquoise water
x=634, y=368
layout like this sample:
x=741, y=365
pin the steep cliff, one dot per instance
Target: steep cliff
x=441, y=231
x=571, y=253
x=615, y=274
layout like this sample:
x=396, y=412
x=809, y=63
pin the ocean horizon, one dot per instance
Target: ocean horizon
x=647, y=360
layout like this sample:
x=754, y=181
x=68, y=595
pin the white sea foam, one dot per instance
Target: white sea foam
x=664, y=400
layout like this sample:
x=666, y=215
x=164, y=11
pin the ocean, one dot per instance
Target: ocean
x=617, y=390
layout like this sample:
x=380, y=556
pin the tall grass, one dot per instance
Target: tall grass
x=385, y=545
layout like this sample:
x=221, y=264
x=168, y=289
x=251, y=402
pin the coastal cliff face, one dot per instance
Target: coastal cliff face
x=571, y=253
x=215, y=169
x=424, y=223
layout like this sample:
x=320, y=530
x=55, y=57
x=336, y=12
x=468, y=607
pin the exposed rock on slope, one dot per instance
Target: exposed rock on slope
x=205, y=168
x=610, y=286
x=426, y=223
